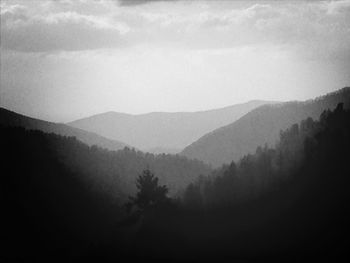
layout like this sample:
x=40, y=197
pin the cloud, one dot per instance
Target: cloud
x=140, y=2
x=336, y=7
x=83, y=24
x=71, y=58
x=25, y=30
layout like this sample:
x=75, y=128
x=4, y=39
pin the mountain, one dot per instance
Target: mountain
x=112, y=172
x=46, y=201
x=163, y=132
x=258, y=127
x=12, y=119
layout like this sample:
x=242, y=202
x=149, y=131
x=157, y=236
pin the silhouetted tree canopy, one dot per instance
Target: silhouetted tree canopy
x=59, y=201
x=266, y=170
x=150, y=193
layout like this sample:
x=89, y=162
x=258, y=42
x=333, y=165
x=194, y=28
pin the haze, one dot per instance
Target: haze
x=64, y=60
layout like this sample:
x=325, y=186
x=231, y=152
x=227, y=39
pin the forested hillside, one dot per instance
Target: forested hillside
x=109, y=171
x=282, y=204
x=258, y=127
x=264, y=171
x=64, y=200
x=12, y=119
x=50, y=210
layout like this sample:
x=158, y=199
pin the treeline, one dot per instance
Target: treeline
x=112, y=172
x=61, y=199
x=64, y=199
x=269, y=169
x=49, y=210
x=283, y=204
x=259, y=126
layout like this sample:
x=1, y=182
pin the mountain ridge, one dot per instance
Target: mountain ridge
x=10, y=118
x=258, y=127
x=163, y=130
x=176, y=112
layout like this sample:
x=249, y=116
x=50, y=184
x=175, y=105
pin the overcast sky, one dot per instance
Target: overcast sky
x=66, y=59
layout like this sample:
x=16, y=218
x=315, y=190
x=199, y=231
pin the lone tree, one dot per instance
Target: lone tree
x=150, y=193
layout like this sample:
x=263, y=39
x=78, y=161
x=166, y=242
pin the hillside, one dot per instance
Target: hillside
x=12, y=119
x=160, y=131
x=258, y=127
x=48, y=199
x=113, y=172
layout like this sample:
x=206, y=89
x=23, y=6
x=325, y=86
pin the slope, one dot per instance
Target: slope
x=258, y=127
x=160, y=131
x=12, y=119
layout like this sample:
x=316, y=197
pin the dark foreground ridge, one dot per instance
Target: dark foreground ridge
x=298, y=210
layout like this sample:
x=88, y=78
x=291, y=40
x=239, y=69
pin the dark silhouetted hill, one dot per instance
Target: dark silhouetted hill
x=115, y=172
x=59, y=201
x=12, y=119
x=50, y=208
x=294, y=206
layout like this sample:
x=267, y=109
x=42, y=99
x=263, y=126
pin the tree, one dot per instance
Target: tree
x=150, y=193
x=192, y=196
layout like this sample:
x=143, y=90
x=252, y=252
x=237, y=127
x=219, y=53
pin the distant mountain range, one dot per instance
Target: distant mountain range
x=12, y=119
x=161, y=132
x=260, y=126
x=214, y=136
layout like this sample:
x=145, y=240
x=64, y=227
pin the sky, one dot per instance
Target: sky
x=63, y=60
